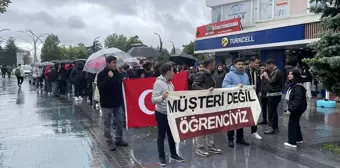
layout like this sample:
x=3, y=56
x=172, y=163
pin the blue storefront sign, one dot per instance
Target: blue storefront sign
x=276, y=35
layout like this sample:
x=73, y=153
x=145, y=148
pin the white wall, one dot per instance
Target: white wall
x=211, y=3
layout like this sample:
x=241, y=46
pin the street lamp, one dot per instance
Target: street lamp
x=173, y=47
x=160, y=42
x=35, y=39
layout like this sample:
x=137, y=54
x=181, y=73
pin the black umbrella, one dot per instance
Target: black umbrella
x=184, y=59
x=65, y=61
x=140, y=50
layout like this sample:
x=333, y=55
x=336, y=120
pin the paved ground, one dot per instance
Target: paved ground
x=41, y=132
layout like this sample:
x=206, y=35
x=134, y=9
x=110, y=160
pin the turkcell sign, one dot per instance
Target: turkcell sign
x=276, y=35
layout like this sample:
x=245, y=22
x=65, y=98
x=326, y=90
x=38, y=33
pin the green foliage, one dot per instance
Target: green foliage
x=9, y=53
x=74, y=52
x=120, y=41
x=331, y=148
x=50, y=50
x=326, y=64
x=4, y=5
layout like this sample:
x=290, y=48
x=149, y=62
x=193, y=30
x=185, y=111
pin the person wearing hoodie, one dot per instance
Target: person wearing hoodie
x=204, y=80
x=160, y=91
x=237, y=77
x=109, y=82
x=297, y=105
x=77, y=75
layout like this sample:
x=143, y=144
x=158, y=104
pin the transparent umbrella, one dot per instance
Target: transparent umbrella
x=97, y=61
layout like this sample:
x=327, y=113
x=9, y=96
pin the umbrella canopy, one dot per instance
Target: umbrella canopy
x=143, y=51
x=184, y=59
x=97, y=61
x=65, y=61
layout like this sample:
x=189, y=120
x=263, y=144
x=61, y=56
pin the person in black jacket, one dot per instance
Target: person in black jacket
x=78, y=76
x=263, y=96
x=219, y=75
x=255, y=80
x=274, y=93
x=54, y=79
x=109, y=82
x=62, y=79
x=297, y=105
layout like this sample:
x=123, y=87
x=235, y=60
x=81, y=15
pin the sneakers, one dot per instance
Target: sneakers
x=201, y=152
x=121, y=143
x=299, y=142
x=111, y=145
x=287, y=112
x=162, y=162
x=257, y=136
x=270, y=130
x=80, y=98
x=76, y=98
x=290, y=145
x=177, y=158
x=214, y=150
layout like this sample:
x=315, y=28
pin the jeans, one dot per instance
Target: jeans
x=48, y=84
x=273, y=102
x=264, y=107
x=20, y=80
x=69, y=87
x=62, y=86
x=239, y=134
x=78, y=88
x=107, y=117
x=55, y=88
x=163, y=128
x=294, y=129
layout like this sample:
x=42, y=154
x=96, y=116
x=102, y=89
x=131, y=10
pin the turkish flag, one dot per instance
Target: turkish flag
x=139, y=109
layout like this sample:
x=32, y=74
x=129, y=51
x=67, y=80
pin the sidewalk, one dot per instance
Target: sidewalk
x=317, y=128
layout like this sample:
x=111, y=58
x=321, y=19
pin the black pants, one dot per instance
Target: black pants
x=264, y=107
x=239, y=134
x=78, y=88
x=3, y=74
x=89, y=91
x=9, y=74
x=62, y=86
x=20, y=80
x=163, y=128
x=273, y=102
x=39, y=81
x=294, y=130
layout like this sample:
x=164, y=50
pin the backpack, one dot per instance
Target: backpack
x=17, y=72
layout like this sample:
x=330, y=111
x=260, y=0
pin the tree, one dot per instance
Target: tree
x=4, y=5
x=190, y=49
x=74, y=52
x=50, y=50
x=325, y=66
x=10, y=53
x=27, y=57
x=120, y=41
x=164, y=56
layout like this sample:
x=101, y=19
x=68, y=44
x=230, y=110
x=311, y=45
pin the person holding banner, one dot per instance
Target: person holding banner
x=237, y=77
x=205, y=80
x=109, y=82
x=160, y=91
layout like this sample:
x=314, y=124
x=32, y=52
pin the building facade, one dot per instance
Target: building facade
x=269, y=29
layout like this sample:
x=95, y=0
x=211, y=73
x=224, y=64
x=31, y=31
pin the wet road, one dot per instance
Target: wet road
x=40, y=131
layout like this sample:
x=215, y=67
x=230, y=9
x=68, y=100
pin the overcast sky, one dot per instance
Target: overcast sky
x=77, y=21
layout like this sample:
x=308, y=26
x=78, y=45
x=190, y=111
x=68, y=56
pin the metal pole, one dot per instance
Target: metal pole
x=160, y=42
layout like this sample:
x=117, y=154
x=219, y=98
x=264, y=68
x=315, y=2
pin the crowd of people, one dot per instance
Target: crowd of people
x=267, y=78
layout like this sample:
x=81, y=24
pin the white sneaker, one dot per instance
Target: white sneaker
x=290, y=145
x=80, y=98
x=299, y=142
x=76, y=98
x=257, y=136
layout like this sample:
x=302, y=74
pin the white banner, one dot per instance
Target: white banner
x=196, y=113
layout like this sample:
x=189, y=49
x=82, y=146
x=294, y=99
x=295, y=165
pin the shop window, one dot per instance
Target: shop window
x=270, y=9
x=216, y=14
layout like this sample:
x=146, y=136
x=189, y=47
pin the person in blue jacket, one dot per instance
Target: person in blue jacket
x=237, y=77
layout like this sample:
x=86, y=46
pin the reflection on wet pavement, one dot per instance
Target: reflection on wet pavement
x=39, y=131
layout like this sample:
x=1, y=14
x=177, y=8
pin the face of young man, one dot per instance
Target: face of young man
x=239, y=66
x=112, y=65
x=170, y=74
